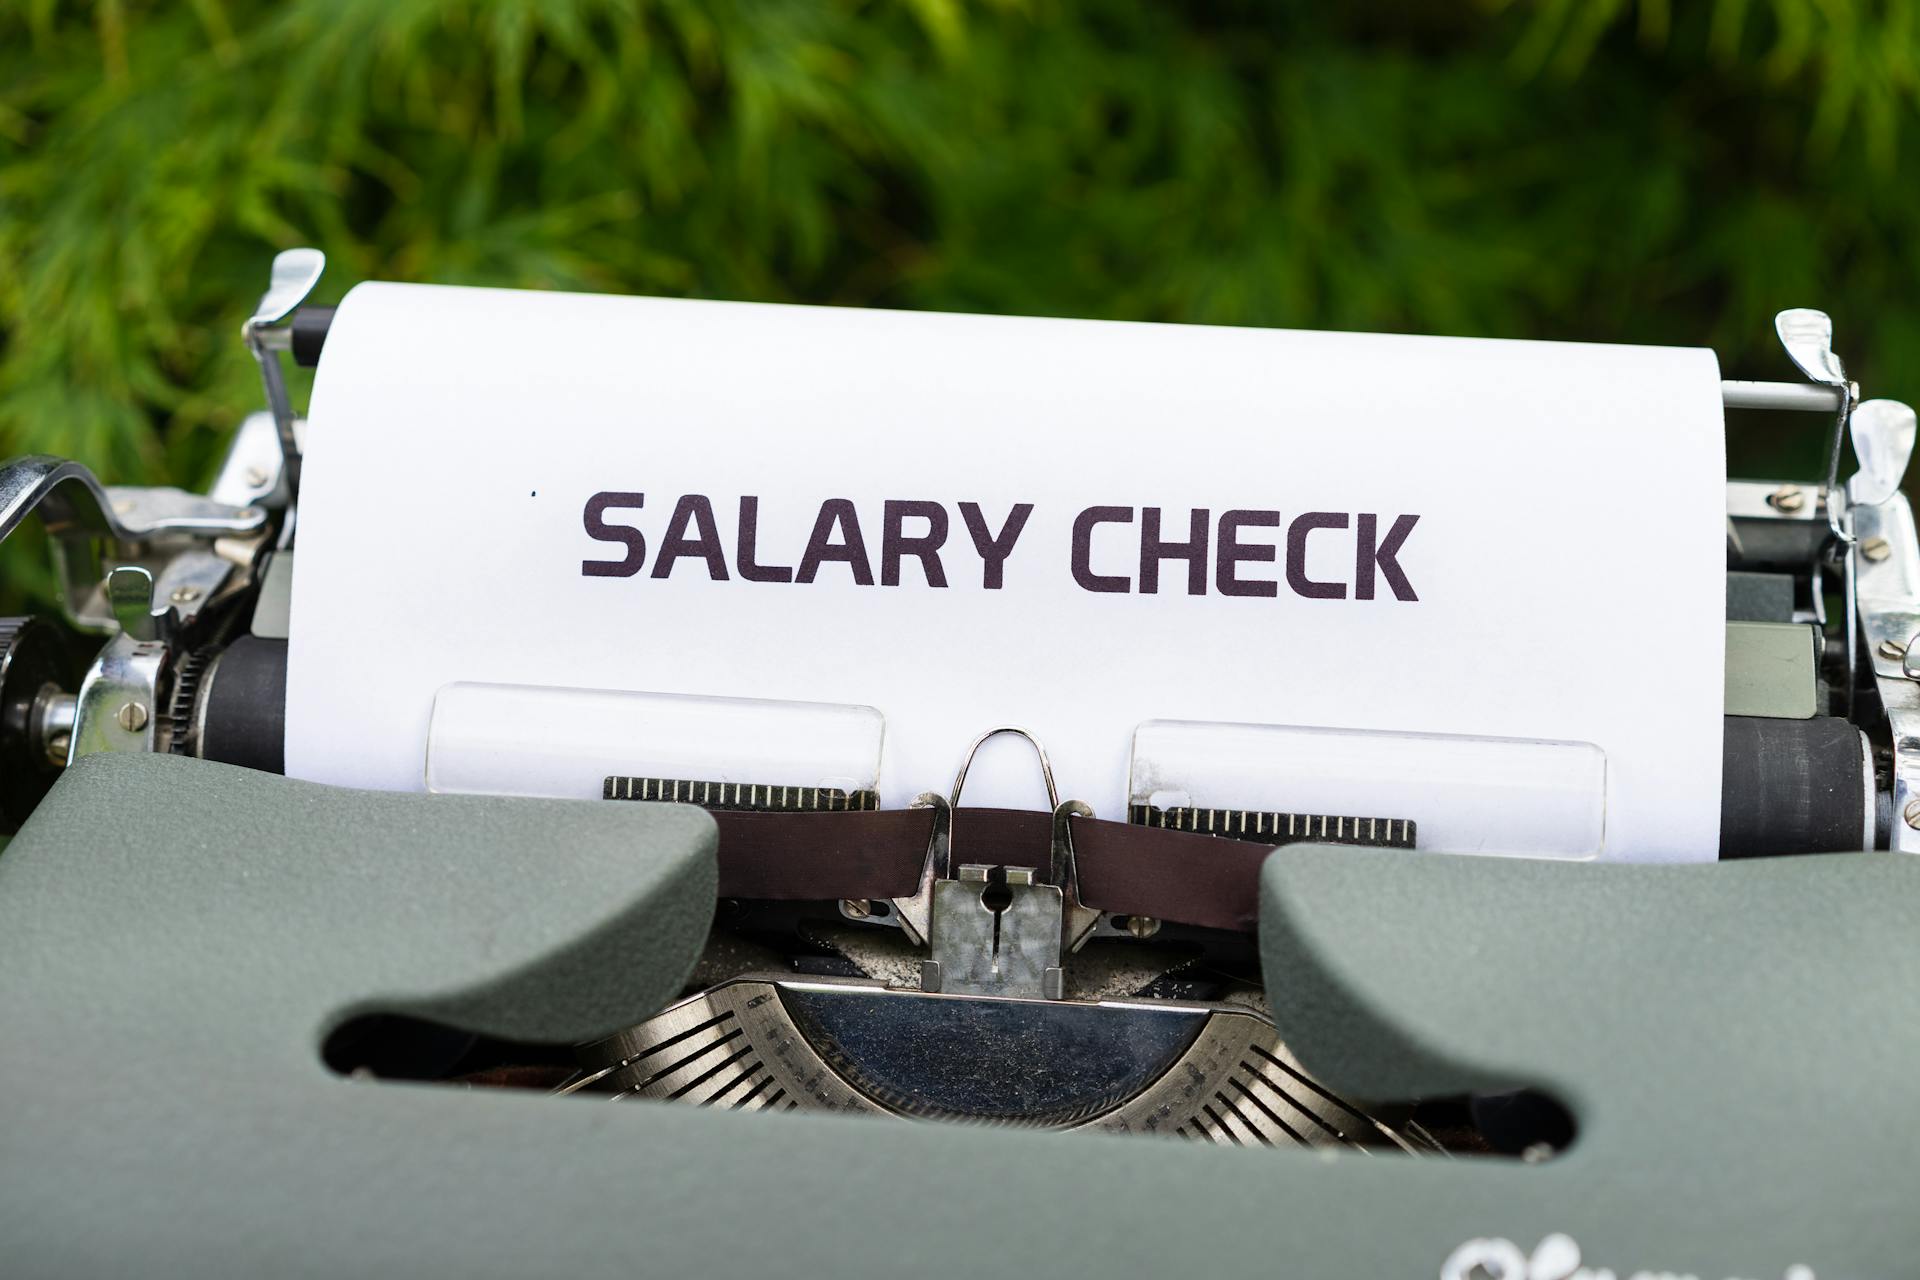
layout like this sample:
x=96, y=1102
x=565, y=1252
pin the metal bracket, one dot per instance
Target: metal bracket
x=118, y=706
x=1889, y=598
x=1883, y=439
x=295, y=272
x=995, y=937
x=154, y=525
x=253, y=472
x=997, y=934
x=1807, y=335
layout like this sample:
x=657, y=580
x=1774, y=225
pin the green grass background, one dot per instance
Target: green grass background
x=1593, y=169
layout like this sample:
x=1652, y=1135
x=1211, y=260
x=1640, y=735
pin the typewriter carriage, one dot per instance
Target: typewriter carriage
x=190, y=591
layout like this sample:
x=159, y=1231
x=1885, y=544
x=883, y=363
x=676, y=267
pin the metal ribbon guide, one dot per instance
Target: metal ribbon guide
x=1085, y=963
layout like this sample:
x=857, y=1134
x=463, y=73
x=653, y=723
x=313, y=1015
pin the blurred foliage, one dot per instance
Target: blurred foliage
x=1596, y=169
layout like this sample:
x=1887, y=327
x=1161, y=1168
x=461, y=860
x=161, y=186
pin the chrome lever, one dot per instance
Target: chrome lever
x=295, y=273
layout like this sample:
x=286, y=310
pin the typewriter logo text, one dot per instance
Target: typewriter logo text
x=1191, y=552
x=1555, y=1258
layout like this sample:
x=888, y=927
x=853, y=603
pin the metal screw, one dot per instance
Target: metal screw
x=856, y=908
x=256, y=477
x=1142, y=926
x=184, y=595
x=133, y=717
x=1876, y=549
x=1912, y=814
x=1787, y=498
x=1892, y=650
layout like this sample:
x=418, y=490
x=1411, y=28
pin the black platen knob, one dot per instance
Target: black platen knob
x=38, y=664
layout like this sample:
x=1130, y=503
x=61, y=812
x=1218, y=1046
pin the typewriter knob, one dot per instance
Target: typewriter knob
x=39, y=670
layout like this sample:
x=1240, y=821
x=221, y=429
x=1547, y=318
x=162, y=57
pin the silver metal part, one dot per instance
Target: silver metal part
x=914, y=914
x=1797, y=397
x=995, y=938
x=1207, y=1072
x=130, y=596
x=1889, y=603
x=1079, y=920
x=253, y=473
x=1113, y=968
x=295, y=272
x=69, y=498
x=52, y=724
x=117, y=705
x=148, y=513
x=181, y=538
x=192, y=579
x=1883, y=435
x=1788, y=498
x=968, y=940
x=1869, y=806
x=1756, y=500
x=973, y=749
x=1807, y=336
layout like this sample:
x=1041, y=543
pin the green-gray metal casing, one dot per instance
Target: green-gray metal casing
x=1739, y=1042
x=1773, y=670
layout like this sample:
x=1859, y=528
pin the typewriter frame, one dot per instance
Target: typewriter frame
x=168, y=576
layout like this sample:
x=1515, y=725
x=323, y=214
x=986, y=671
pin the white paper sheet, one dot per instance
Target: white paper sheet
x=1567, y=558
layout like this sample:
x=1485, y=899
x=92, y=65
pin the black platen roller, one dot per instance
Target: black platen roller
x=246, y=713
x=309, y=334
x=1787, y=786
x=1794, y=786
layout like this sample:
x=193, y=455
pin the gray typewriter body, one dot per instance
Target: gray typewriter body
x=271, y=1026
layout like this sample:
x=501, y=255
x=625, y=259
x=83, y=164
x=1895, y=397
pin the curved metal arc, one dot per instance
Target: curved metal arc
x=1807, y=335
x=966, y=763
x=1883, y=434
x=915, y=914
x=293, y=275
x=79, y=513
x=66, y=494
x=70, y=499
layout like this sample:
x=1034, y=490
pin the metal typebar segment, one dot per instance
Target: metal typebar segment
x=1806, y=397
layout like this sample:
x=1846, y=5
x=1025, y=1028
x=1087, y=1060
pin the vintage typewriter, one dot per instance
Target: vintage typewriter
x=1005, y=970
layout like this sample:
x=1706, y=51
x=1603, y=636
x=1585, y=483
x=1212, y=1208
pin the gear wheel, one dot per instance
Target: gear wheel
x=187, y=681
